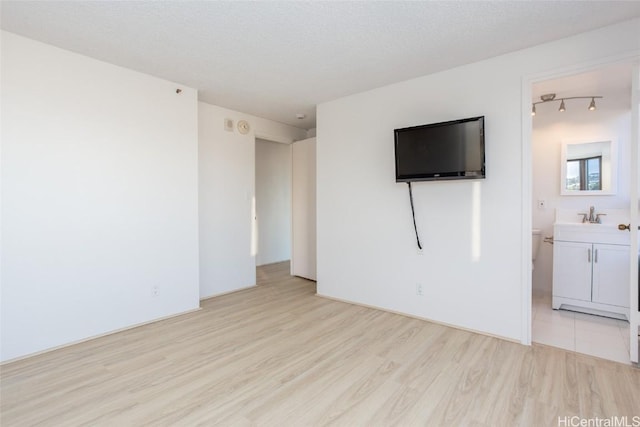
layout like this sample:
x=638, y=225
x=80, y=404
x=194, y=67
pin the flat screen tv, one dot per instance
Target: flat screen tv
x=441, y=151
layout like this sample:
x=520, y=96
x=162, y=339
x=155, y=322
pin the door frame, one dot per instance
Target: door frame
x=634, y=188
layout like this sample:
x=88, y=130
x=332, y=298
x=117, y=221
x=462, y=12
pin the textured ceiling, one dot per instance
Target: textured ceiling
x=276, y=59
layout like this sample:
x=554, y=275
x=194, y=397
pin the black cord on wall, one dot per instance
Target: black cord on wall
x=413, y=214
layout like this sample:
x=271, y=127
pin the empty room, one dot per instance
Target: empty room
x=287, y=213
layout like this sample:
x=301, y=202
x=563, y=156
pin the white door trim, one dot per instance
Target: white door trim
x=634, y=314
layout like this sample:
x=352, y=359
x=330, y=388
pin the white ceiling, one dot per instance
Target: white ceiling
x=276, y=59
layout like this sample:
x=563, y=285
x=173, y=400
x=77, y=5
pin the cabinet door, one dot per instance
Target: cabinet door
x=303, y=214
x=572, y=270
x=611, y=275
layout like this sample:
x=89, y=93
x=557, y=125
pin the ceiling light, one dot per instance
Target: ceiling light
x=300, y=116
x=551, y=97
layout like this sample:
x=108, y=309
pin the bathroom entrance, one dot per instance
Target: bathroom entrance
x=582, y=145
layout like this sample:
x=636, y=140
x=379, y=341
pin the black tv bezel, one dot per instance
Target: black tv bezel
x=443, y=176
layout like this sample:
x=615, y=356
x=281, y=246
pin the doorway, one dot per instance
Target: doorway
x=273, y=202
x=553, y=126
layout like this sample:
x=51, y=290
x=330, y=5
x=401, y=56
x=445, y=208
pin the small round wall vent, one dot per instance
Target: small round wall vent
x=243, y=127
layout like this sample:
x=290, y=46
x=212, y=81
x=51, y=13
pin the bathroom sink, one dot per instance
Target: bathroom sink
x=590, y=233
x=587, y=227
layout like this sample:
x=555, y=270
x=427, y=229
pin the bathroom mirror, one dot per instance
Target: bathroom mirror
x=588, y=168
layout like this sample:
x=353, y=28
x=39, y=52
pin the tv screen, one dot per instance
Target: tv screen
x=441, y=151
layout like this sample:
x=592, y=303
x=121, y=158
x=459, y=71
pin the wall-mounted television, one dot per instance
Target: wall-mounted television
x=441, y=151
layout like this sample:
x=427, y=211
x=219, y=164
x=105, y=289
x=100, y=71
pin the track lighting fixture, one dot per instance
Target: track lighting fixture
x=549, y=97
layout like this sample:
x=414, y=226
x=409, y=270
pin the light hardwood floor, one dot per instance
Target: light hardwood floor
x=277, y=355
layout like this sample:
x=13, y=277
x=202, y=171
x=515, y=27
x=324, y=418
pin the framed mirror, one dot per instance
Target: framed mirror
x=588, y=168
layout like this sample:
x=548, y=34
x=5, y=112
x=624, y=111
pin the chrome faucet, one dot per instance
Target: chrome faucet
x=593, y=217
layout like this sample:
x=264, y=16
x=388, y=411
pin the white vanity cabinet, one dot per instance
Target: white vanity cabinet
x=591, y=269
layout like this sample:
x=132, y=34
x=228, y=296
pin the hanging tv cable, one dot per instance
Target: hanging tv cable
x=413, y=214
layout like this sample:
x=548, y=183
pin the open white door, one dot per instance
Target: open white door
x=634, y=320
x=303, y=213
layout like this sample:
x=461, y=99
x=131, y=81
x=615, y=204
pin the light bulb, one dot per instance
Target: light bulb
x=561, y=109
x=533, y=110
x=592, y=105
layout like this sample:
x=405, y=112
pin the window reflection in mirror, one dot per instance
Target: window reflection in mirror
x=584, y=174
x=588, y=168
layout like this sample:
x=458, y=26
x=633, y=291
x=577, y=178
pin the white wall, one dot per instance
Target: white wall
x=273, y=201
x=228, y=239
x=99, y=197
x=611, y=121
x=472, y=231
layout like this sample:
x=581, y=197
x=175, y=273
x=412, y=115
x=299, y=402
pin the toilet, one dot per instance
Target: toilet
x=536, y=237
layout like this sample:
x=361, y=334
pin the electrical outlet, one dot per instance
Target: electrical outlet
x=419, y=289
x=155, y=290
x=419, y=251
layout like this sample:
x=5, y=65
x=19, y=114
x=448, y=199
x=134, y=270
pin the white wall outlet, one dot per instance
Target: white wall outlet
x=419, y=289
x=541, y=204
x=155, y=290
x=419, y=251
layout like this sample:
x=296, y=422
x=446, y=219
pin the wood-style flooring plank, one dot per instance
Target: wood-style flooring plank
x=278, y=355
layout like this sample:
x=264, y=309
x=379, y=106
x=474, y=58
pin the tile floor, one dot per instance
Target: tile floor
x=583, y=333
